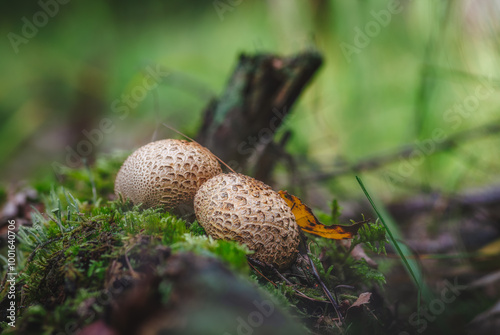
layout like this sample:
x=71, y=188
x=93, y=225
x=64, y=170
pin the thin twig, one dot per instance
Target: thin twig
x=260, y=273
x=325, y=290
x=406, y=151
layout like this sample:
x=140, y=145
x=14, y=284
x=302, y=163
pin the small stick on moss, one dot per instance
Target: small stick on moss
x=91, y=179
x=325, y=289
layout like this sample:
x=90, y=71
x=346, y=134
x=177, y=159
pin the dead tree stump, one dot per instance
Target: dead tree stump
x=240, y=126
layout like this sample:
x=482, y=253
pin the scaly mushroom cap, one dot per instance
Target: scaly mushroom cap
x=237, y=207
x=166, y=173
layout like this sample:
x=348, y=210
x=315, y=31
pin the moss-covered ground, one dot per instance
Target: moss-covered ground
x=82, y=244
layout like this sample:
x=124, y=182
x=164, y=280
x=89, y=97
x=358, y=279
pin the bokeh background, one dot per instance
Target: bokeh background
x=407, y=97
x=386, y=92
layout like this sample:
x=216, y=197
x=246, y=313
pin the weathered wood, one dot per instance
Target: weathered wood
x=259, y=95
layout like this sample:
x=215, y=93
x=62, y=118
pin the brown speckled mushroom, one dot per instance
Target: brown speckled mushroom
x=237, y=207
x=166, y=173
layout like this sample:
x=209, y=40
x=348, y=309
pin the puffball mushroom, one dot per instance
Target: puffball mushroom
x=237, y=207
x=166, y=173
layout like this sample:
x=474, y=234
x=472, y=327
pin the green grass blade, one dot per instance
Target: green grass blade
x=411, y=265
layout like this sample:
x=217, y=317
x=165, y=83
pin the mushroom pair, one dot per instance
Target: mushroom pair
x=177, y=174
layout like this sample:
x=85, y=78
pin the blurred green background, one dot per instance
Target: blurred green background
x=390, y=89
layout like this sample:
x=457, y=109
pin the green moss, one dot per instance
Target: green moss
x=230, y=252
x=81, y=310
x=343, y=268
x=66, y=254
x=82, y=181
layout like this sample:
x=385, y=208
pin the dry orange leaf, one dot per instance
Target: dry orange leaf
x=310, y=224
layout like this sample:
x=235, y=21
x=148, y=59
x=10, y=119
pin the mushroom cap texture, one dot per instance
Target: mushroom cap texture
x=166, y=173
x=237, y=207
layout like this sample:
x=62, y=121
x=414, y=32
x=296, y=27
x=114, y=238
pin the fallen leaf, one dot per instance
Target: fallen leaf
x=363, y=299
x=310, y=224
